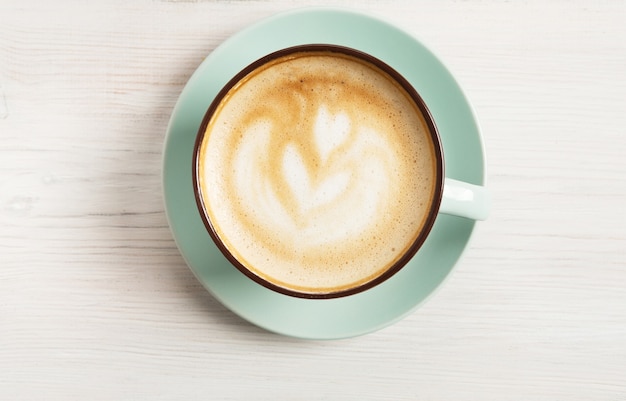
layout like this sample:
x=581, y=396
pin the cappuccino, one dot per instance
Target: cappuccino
x=317, y=172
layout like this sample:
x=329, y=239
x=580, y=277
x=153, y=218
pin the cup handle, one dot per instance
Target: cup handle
x=465, y=200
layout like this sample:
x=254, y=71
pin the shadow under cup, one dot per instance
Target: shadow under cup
x=226, y=214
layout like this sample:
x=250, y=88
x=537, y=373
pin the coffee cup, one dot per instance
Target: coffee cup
x=318, y=172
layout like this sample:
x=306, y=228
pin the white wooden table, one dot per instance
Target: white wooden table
x=96, y=302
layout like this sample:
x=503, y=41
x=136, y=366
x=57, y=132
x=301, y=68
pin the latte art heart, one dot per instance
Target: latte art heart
x=317, y=172
x=304, y=197
x=334, y=177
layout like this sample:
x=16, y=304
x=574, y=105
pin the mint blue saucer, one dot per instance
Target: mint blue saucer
x=401, y=294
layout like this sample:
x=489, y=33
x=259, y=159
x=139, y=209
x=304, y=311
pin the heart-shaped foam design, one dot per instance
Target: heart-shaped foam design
x=343, y=191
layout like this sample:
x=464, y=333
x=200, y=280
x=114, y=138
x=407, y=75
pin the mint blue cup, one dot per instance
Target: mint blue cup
x=450, y=196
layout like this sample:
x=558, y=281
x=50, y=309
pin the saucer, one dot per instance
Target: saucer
x=401, y=294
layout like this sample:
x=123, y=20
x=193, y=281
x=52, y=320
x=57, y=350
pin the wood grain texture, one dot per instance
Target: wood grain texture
x=97, y=303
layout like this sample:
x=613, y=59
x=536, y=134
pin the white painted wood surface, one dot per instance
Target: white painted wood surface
x=96, y=302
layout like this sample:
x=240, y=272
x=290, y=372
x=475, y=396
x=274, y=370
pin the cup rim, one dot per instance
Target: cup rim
x=439, y=168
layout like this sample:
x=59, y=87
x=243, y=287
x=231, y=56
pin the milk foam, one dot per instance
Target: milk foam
x=317, y=172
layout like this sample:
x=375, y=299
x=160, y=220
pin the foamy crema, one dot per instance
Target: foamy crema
x=317, y=172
